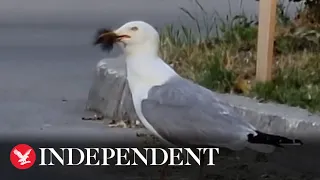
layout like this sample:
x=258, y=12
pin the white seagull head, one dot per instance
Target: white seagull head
x=136, y=36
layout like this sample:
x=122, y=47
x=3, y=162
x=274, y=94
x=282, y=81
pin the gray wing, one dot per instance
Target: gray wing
x=185, y=113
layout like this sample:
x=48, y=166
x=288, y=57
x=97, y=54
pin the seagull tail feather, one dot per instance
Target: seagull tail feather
x=266, y=143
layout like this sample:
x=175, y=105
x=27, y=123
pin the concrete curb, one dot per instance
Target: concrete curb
x=111, y=96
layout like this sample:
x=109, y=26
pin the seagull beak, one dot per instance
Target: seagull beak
x=106, y=36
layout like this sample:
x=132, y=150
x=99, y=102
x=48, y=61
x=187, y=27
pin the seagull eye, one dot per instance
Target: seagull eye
x=134, y=28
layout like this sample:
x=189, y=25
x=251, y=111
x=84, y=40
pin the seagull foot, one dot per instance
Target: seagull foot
x=125, y=124
x=118, y=124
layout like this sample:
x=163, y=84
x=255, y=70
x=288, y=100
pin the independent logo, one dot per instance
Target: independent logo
x=22, y=156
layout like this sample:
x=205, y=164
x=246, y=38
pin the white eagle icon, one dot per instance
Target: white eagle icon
x=22, y=158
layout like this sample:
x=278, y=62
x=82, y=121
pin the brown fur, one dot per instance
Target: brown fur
x=106, y=39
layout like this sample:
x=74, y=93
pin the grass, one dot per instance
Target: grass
x=221, y=55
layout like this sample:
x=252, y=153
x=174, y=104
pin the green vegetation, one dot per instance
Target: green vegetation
x=223, y=57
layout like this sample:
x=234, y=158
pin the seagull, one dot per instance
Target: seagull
x=177, y=110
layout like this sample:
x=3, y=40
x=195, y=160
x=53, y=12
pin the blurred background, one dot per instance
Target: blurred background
x=70, y=22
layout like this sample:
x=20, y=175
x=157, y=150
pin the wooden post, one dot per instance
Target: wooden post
x=266, y=31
